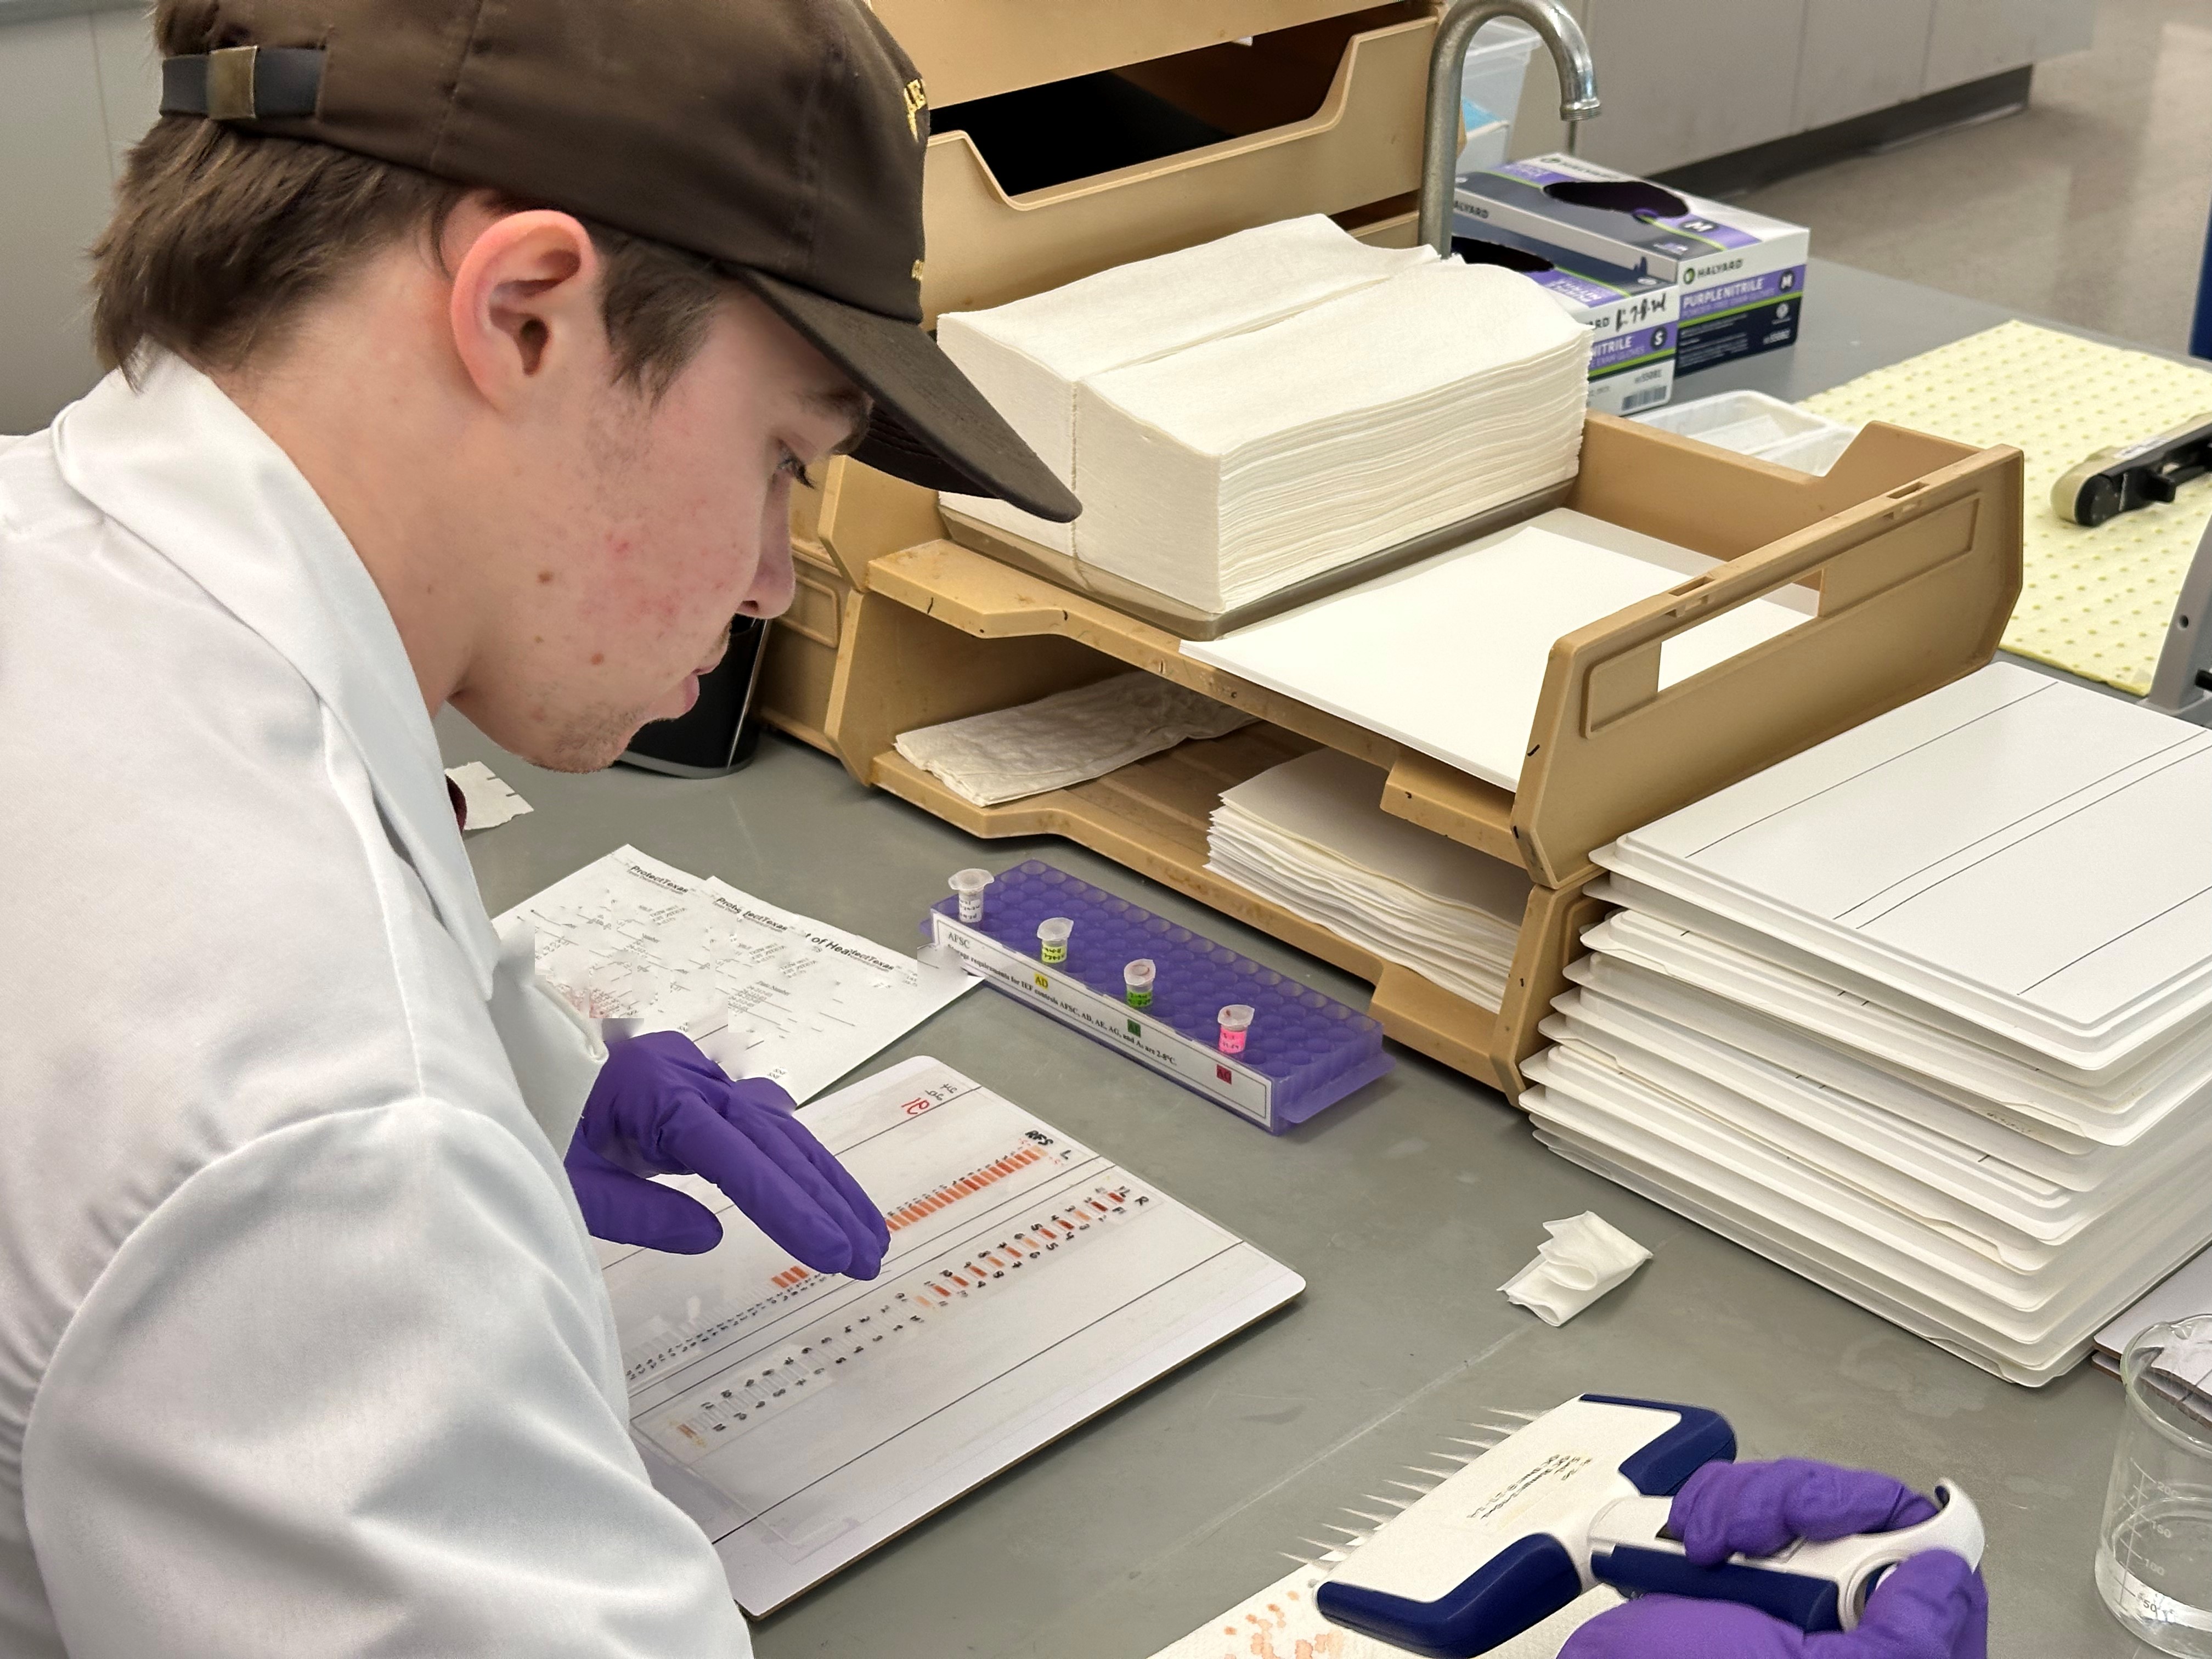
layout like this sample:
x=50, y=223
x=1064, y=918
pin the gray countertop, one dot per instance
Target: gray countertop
x=1403, y=1207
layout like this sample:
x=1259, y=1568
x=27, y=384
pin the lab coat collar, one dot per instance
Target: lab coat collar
x=180, y=466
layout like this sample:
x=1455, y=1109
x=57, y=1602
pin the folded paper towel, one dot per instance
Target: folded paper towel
x=1311, y=835
x=1585, y=1257
x=1064, y=738
x=1223, y=472
x=1027, y=356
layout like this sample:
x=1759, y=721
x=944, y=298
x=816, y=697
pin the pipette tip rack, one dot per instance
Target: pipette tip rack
x=1302, y=1052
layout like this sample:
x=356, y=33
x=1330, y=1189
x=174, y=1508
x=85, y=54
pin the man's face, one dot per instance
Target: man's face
x=634, y=529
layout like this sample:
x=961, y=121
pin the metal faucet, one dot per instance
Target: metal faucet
x=1570, y=56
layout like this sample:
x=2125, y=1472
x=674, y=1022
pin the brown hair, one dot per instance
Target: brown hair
x=219, y=237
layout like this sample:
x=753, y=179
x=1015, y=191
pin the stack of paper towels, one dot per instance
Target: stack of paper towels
x=1312, y=836
x=1241, y=416
x=1924, y=1013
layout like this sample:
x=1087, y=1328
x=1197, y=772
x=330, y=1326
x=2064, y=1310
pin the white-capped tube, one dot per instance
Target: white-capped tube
x=1236, y=1020
x=1051, y=938
x=969, y=885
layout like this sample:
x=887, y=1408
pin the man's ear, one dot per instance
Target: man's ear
x=524, y=308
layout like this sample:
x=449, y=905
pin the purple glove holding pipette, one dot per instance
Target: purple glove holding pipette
x=1930, y=1605
x=661, y=1107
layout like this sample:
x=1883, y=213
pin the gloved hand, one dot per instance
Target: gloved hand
x=1930, y=1605
x=661, y=1107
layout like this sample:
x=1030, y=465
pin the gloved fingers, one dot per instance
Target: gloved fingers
x=1758, y=1508
x=1683, y=1627
x=627, y=1209
x=865, y=1208
x=768, y=1179
x=763, y=1092
x=834, y=1189
x=1930, y=1605
x=874, y=1235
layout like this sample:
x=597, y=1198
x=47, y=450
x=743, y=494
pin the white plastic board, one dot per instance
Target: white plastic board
x=2130, y=1102
x=1447, y=656
x=801, y=1419
x=2069, y=1161
x=2183, y=1295
x=2048, y=1309
x=1898, y=1160
x=2043, y=1362
x=1902, y=850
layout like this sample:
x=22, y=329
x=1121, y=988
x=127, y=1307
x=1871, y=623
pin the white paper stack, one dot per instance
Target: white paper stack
x=1924, y=1012
x=1219, y=474
x=1311, y=835
x=1028, y=356
x=1399, y=654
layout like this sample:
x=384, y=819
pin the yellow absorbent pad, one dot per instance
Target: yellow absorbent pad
x=2095, y=602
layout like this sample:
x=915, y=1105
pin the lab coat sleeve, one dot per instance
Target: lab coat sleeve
x=556, y=1052
x=340, y=1394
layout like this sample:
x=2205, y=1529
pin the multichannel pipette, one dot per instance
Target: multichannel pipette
x=1581, y=1496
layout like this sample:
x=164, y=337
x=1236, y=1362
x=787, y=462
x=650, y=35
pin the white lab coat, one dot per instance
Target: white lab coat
x=303, y=1347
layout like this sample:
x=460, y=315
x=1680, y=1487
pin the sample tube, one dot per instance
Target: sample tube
x=1051, y=938
x=1236, y=1020
x=969, y=885
x=1137, y=982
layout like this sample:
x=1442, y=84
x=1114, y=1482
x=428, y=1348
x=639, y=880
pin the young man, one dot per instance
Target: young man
x=466, y=353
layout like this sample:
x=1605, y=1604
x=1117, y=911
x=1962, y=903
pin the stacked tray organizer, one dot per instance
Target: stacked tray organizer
x=1912, y=542
x=1323, y=111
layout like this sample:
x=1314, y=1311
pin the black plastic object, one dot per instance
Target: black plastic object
x=1638, y=197
x=1660, y=1469
x=720, y=732
x=2128, y=476
x=1518, y=1587
x=1038, y=137
x=1798, y=1599
x=1479, y=251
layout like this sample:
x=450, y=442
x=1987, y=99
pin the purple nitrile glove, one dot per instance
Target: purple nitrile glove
x=661, y=1107
x=1930, y=1605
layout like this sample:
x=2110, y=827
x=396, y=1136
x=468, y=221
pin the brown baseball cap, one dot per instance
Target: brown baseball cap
x=781, y=139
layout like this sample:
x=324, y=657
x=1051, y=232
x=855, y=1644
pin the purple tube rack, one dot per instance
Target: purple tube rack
x=1313, y=1050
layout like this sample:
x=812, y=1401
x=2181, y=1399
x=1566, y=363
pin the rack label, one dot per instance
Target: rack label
x=1196, y=1066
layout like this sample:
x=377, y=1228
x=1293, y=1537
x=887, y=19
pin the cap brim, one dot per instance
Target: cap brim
x=931, y=426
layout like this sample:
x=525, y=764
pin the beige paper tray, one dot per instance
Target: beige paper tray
x=1913, y=543
x=1185, y=622
x=968, y=49
x=1362, y=146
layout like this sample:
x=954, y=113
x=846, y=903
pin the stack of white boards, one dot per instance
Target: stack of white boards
x=1922, y=1014
x=1447, y=656
x=1310, y=836
x=1242, y=415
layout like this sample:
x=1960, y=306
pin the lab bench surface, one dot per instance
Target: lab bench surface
x=1404, y=1208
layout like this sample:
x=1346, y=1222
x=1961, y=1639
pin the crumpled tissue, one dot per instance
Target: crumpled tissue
x=1064, y=738
x=1585, y=1257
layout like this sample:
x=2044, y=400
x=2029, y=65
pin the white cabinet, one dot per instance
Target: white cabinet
x=1684, y=81
x=1860, y=56
x=1974, y=38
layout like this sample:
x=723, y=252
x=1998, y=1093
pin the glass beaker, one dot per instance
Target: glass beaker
x=2154, y=1551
